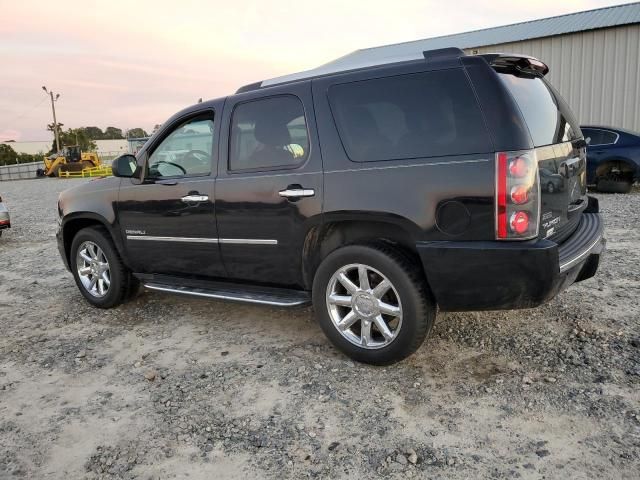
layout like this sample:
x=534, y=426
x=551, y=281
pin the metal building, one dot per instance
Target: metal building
x=593, y=56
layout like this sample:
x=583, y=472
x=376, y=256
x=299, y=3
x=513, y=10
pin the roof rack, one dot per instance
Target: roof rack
x=428, y=55
x=442, y=53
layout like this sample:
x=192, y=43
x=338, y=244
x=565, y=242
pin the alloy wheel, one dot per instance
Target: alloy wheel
x=93, y=269
x=364, y=306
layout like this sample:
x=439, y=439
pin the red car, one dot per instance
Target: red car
x=5, y=219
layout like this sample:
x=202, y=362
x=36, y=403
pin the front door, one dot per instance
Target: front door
x=168, y=219
x=269, y=186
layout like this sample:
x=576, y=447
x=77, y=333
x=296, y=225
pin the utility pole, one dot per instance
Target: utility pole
x=55, y=121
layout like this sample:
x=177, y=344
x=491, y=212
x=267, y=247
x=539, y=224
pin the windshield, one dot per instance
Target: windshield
x=548, y=117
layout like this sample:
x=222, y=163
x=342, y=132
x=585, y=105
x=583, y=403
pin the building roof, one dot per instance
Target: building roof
x=546, y=27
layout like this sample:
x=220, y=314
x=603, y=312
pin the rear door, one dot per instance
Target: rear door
x=269, y=188
x=560, y=149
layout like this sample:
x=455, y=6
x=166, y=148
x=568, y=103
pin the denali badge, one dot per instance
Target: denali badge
x=135, y=232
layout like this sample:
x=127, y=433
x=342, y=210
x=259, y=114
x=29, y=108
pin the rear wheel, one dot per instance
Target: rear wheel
x=614, y=184
x=372, y=303
x=97, y=269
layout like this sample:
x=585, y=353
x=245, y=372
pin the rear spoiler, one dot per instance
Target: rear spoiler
x=514, y=62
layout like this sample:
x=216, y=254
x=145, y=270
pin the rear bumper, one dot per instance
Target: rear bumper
x=510, y=275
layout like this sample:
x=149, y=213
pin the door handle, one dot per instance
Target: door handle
x=191, y=198
x=297, y=192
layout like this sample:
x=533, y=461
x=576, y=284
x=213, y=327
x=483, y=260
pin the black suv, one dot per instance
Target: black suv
x=379, y=193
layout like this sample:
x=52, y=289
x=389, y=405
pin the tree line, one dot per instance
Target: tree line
x=85, y=137
x=8, y=156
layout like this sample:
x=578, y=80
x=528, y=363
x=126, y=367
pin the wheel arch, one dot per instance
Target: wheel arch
x=75, y=222
x=626, y=166
x=336, y=232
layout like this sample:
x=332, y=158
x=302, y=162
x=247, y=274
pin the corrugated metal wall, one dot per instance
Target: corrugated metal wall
x=597, y=72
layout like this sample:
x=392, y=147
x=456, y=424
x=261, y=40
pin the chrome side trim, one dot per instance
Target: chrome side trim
x=232, y=241
x=412, y=165
x=172, y=239
x=221, y=296
x=248, y=241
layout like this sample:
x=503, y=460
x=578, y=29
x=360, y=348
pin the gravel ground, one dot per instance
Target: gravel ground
x=173, y=387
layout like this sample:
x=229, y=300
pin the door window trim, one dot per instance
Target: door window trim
x=207, y=114
x=274, y=168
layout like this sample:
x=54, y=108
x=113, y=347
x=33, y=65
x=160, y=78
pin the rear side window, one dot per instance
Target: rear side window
x=268, y=133
x=594, y=135
x=409, y=116
x=609, y=137
x=548, y=117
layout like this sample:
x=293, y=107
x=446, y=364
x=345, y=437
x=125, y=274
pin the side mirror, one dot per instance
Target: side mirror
x=125, y=166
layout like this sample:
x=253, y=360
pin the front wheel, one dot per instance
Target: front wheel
x=373, y=303
x=97, y=269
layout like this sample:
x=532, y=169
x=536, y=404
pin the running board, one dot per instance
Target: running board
x=237, y=293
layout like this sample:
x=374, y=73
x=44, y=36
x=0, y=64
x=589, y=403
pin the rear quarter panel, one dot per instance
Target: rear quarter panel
x=408, y=193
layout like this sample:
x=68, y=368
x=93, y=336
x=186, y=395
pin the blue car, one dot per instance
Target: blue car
x=613, y=158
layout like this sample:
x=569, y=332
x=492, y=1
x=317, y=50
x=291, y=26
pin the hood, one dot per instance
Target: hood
x=93, y=185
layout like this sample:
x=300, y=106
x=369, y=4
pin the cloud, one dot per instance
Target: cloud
x=9, y=134
x=132, y=64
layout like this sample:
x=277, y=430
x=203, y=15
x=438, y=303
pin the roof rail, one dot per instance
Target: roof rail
x=442, y=53
x=429, y=55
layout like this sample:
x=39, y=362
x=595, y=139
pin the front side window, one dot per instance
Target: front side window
x=409, y=116
x=185, y=151
x=268, y=133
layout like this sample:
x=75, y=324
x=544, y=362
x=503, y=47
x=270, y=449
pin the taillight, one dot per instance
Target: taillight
x=520, y=194
x=519, y=222
x=518, y=167
x=517, y=195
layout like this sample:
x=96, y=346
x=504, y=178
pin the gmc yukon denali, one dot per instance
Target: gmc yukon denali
x=379, y=194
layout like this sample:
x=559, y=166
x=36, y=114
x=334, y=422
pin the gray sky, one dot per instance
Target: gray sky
x=134, y=63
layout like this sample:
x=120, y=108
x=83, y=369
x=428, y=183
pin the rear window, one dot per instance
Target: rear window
x=548, y=117
x=409, y=116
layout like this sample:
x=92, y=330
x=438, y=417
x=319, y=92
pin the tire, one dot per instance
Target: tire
x=120, y=278
x=409, y=291
x=607, y=185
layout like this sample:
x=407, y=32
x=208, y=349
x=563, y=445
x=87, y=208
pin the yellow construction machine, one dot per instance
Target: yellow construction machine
x=71, y=159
